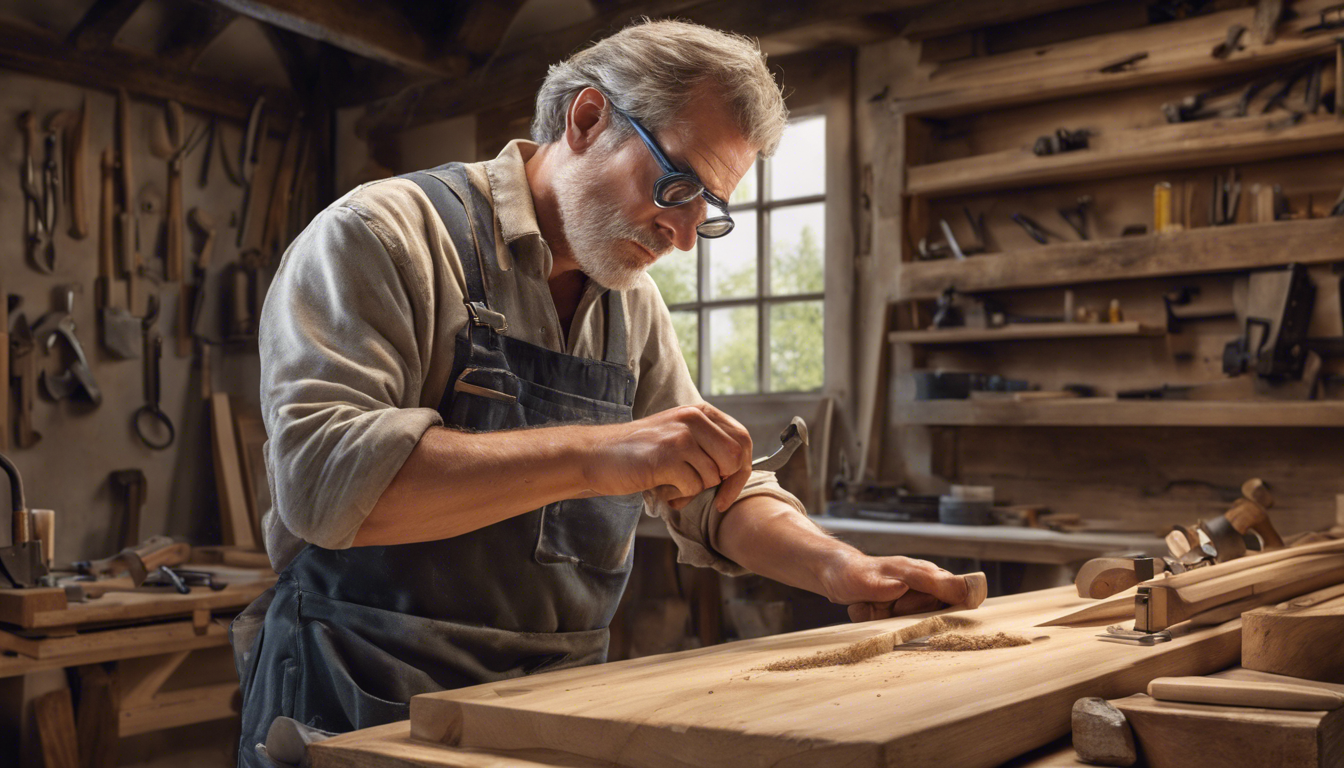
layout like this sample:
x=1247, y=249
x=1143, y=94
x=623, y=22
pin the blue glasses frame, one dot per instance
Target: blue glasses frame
x=676, y=187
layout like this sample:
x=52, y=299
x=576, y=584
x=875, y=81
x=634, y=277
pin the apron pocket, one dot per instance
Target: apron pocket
x=597, y=532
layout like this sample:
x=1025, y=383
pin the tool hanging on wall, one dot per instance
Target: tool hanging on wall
x=118, y=330
x=129, y=490
x=21, y=562
x=41, y=194
x=152, y=425
x=1062, y=140
x=248, y=159
x=129, y=265
x=1274, y=331
x=77, y=379
x=73, y=128
x=240, y=302
x=169, y=144
x=1076, y=215
x=22, y=374
x=189, y=307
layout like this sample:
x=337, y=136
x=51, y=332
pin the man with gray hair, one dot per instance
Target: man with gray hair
x=473, y=388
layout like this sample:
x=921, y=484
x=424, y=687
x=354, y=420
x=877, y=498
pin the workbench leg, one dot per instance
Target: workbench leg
x=18, y=724
x=55, y=719
x=99, y=710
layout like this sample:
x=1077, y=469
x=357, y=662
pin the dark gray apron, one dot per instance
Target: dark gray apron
x=349, y=636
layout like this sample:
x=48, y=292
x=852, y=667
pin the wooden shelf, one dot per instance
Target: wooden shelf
x=1195, y=251
x=1108, y=412
x=1177, y=51
x=1027, y=332
x=1125, y=153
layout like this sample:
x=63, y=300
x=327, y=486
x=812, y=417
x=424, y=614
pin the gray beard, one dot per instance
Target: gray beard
x=594, y=226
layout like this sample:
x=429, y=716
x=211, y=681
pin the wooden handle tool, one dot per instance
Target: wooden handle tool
x=1243, y=693
x=77, y=147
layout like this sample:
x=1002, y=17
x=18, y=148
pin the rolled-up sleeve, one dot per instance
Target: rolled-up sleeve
x=341, y=372
x=665, y=382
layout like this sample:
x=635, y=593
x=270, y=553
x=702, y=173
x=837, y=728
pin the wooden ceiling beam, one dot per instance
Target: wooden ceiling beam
x=953, y=16
x=483, y=26
x=374, y=29
x=42, y=54
x=204, y=23
x=101, y=23
x=515, y=76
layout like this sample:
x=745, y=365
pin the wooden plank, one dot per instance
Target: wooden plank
x=115, y=644
x=716, y=706
x=1204, y=250
x=1299, y=638
x=1158, y=606
x=200, y=704
x=374, y=30
x=19, y=606
x=234, y=519
x=1106, y=412
x=1126, y=153
x=1177, y=50
x=954, y=16
x=56, y=729
x=101, y=23
x=37, y=52
x=390, y=745
x=34, y=608
x=1178, y=734
x=1026, y=332
x=515, y=74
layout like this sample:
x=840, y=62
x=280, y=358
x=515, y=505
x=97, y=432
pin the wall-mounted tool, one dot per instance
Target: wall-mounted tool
x=21, y=562
x=129, y=489
x=1230, y=45
x=248, y=159
x=1034, y=230
x=118, y=330
x=1331, y=17
x=240, y=303
x=129, y=264
x=1274, y=332
x=1076, y=215
x=77, y=379
x=168, y=143
x=41, y=194
x=1062, y=140
x=73, y=128
x=152, y=425
x=1226, y=199
x=23, y=375
x=202, y=228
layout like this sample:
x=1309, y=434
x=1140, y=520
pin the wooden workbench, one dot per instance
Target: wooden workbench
x=714, y=706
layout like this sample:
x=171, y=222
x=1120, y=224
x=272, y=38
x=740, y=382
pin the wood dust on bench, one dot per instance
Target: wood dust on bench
x=940, y=630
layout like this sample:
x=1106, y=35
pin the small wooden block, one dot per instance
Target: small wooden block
x=1300, y=638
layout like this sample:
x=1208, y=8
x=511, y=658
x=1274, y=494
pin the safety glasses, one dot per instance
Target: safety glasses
x=676, y=187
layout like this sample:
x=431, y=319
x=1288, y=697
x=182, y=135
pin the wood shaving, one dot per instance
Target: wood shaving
x=955, y=641
x=873, y=646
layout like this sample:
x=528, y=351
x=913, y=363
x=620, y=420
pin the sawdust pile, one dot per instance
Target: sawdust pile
x=956, y=641
x=873, y=646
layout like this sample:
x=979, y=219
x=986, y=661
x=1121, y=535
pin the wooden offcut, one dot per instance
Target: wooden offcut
x=55, y=720
x=713, y=706
x=233, y=510
x=1300, y=638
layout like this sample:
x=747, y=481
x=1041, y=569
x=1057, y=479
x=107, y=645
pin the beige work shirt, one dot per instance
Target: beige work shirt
x=357, y=343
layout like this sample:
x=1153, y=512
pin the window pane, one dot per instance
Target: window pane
x=687, y=326
x=732, y=259
x=733, y=350
x=746, y=189
x=796, y=360
x=675, y=275
x=797, y=249
x=798, y=167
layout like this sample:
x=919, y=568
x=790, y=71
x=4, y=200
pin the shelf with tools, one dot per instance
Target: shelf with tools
x=1196, y=251
x=1109, y=412
x=1125, y=153
x=1028, y=332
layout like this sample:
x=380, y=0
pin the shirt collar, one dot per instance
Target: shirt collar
x=510, y=191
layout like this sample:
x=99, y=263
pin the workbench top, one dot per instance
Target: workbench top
x=715, y=706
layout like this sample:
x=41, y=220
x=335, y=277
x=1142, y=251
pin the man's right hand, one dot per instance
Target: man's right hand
x=677, y=453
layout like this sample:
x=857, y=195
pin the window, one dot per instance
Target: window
x=748, y=308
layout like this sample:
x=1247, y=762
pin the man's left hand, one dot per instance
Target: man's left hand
x=882, y=587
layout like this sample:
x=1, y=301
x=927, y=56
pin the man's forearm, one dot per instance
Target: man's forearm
x=768, y=537
x=456, y=482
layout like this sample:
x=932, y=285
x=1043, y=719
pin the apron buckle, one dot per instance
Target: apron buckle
x=483, y=315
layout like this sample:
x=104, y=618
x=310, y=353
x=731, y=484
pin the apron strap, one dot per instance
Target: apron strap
x=616, y=334
x=452, y=209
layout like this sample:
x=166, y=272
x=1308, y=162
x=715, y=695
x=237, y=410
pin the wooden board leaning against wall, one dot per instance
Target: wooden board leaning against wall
x=942, y=142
